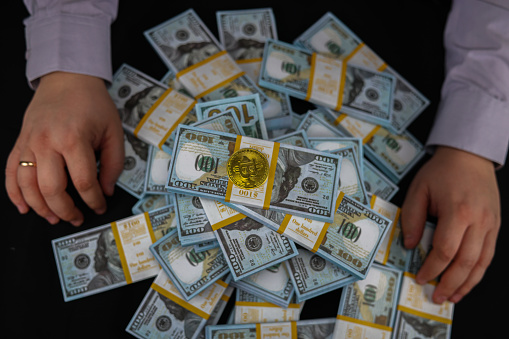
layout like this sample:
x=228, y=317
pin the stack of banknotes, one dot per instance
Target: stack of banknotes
x=207, y=222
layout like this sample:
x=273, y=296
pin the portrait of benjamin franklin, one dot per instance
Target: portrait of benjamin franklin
x=191, y=320
x=288, y=171
x=316, y=331
x=106, y=262
x=243, y=49
x=354, y=83
x=138, y=104
x=189, y=54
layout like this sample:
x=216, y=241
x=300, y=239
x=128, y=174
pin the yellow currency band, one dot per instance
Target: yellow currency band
x=230, y=183
x=153, y=108
x=325, y=227
x=393, y=230
x=339, y=101
x=294, y=330
x=150, y=228
x=248, y=61
x=150, y=111
x=363, y=323
x=284, y=224
x=203, y=62
x=327, y=224
x=258, y=331
x=225, y=298
x=121, y=253
x=411, y=275
x=179, y=301
x=311, y=76
x=340, y=118
x=425, y=315
x=270, y=179
x=272, y=173
x=174, y=126
x=263, y=304
x=341, y=87
x=343, y=76
x=370, y=134
x=293, y=325
x=227, y=221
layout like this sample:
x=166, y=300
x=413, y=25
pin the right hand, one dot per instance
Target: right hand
x=70, y=117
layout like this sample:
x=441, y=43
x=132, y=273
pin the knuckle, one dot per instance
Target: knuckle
x=445, y=253
x=25, y=185
x=467, y=263
x=491, y=220
x=84, y=184
x=484, y=262
x=67, y=214
x=464, y=211
x=50, y=190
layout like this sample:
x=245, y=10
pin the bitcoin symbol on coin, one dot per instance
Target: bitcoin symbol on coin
x=248, y=168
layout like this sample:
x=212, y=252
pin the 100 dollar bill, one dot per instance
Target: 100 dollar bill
x=189, y=271
x=250, y=247
x=369, y=305
x=353, y=89
x=305, y=329
x=247, y=109
x=110, y=256
x=184, y=41
x=312, y=275
x=301, y=181
x=164, y=313
x=272, y=284
x=331, y=37
x=351, y=241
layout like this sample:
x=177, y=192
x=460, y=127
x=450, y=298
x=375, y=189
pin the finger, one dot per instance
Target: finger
x=11, y=182
x=461, y=267
x=29, y=187
x=112, y=160
x=81, y=164
x=413, y=214
x=53, y=184
x=487, y=254
x=446, y=243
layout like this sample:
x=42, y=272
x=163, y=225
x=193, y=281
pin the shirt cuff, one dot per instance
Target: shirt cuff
x=68, y=43
x=473, y=121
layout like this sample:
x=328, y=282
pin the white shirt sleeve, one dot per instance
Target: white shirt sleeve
x=473, y=114
x=69, y=35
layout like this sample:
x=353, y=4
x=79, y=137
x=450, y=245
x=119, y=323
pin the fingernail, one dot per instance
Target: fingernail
x=407, y=239
x=53, y=220
x=456, y=298
x=76, y=222
x=100, y=211
x=22, y=209
x=420, y=280
x=440, y=299
x=110, y=190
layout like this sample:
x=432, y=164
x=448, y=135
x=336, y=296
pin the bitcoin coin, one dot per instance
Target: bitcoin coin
x=248, y=168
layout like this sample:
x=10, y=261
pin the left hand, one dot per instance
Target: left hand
x=70, y=117
x=461, y=190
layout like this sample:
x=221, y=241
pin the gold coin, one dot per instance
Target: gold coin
x=248, y=168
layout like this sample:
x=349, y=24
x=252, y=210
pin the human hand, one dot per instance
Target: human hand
x=69, y=118
x=461, y=190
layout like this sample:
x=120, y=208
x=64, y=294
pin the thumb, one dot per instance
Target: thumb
x=414, y=213
x=111, y=159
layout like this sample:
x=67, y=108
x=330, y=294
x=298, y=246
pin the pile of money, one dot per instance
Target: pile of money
x=237, y=192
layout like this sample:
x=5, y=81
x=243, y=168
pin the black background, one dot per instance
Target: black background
x=408, y=35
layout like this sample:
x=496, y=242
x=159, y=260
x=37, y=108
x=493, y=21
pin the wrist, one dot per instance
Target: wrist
x=456, y=154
